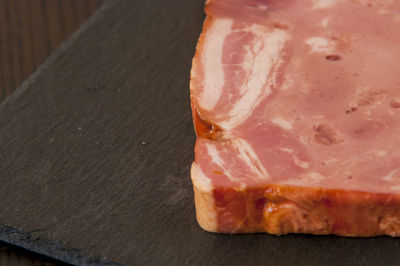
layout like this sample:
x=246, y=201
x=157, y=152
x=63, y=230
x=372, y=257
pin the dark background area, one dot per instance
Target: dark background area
x=32, y=29
x=29, y=31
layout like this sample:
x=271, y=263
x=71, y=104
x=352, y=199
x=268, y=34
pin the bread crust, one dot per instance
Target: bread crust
x=280, y=209
x=204, y=200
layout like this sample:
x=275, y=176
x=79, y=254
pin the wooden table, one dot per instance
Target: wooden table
x=29, y=31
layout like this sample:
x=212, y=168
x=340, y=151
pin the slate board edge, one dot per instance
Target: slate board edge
x=50, y=248
x=46, y=247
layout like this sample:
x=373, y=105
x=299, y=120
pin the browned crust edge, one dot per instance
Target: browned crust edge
x=279, y=210
x=206, y=212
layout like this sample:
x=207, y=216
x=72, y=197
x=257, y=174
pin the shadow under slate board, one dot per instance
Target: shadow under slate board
x=96, y=147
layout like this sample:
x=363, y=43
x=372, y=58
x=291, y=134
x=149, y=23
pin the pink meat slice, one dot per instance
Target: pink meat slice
x=296, y=106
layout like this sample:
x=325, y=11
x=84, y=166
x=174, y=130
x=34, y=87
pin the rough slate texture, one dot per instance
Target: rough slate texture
x=95, y=152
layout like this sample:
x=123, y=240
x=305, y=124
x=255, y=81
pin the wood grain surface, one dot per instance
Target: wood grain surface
x=29, y=31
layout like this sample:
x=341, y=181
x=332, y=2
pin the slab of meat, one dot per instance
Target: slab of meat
x=296, y=106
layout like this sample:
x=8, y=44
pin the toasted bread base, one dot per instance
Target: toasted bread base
x=280, y=209
x=206, y=212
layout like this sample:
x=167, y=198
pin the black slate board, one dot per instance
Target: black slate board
x=96, y=147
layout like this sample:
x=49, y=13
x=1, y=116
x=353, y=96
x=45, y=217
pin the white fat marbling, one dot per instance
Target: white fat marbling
x=325, y=22
x=389, y=176
x=200, y=179
x=282, y=123
x=396, y=187
x=245, y=154
x=315, y=177
x=262, y=59
x=262, y=7
x=248, y=155
x=216, y=158
x=319, y=45
x=212, y=60
x=323, y=4
x=286, y=150
x=381, y=153
x=300, y=163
